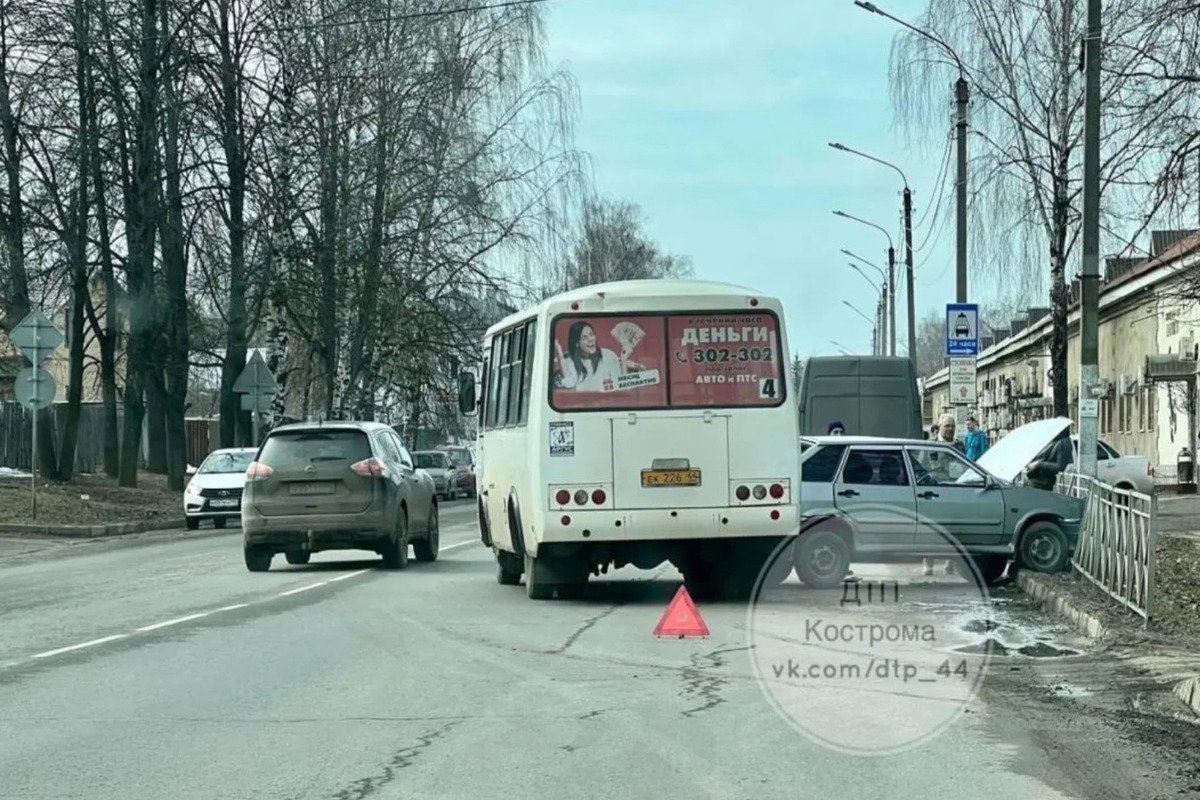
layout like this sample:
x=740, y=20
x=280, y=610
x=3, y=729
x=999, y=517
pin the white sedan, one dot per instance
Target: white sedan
x=214, y=490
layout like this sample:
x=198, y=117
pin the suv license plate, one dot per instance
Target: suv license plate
x=310, y=488
x=670, y=477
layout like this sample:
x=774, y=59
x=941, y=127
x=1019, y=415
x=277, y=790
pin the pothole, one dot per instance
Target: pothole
x=989, y=647
x=1043, y=650
x=981, y=626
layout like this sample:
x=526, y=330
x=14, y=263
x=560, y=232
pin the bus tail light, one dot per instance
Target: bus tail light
x=765, y=491
x=582, y=497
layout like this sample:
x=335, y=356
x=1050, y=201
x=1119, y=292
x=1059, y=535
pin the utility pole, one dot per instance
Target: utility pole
x=962, y=96
x=908, y=266
x=891, y=295
x=1089, y=277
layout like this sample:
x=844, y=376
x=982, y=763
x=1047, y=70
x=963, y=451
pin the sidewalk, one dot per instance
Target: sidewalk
x=1169, y=646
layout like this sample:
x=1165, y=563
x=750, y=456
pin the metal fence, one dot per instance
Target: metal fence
x=1117, y=540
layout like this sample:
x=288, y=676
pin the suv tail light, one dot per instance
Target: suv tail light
x=370, y=468
x=258, y=471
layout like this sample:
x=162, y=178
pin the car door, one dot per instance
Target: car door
x=874, y=490
x=418, y=493
x=953, y=497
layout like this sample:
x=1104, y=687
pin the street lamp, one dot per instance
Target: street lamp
x=962, y=96
x=891, y=281
x=873, y=324
x=908, y=251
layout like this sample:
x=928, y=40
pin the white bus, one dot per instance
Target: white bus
x=633, y=423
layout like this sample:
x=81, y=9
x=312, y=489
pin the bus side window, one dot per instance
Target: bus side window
x=506, y=342
x=516, y=374
x=493, y=391
x=527, y=382
x=485, y=375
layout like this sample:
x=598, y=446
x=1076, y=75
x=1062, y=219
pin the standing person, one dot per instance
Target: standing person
x=945, y=433
x=836, y=428
x=975, y=443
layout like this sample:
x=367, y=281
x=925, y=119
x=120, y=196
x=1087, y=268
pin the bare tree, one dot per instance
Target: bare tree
x=613, y=246
x=1022, y=57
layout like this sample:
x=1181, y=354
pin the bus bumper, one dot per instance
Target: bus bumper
x=654, y=524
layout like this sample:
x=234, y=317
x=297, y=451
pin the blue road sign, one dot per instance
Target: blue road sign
x=962, y=329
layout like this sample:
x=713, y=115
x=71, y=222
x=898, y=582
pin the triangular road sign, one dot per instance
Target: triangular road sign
x=256, y=377
x=681, y=617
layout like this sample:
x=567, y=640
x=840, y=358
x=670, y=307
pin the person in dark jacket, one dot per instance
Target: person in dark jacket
x=836, y=428
x=1043, y=473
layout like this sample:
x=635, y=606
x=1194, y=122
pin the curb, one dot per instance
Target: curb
x=1189, y=692
x=92, y=531
x=1054, y=602
x=1049, y=599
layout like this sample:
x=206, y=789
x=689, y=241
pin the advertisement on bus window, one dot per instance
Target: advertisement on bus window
x=679, y=360
x=724, y=359
x=609, y=362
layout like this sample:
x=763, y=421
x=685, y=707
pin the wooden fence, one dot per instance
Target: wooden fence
x=16, y=446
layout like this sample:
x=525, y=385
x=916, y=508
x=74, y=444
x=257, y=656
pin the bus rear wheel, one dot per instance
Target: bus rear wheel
x=508, y=569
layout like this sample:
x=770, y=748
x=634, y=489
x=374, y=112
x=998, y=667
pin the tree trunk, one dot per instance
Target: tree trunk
x=156, y=419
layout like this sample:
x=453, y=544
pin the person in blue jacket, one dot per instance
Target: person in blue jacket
x=975, y=441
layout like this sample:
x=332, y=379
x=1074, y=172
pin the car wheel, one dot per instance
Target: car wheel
x=822, y=558
x=193, y=523
x=427, y=549
x=1043, y=548
x=508, y=569
x=219, y=522
x=395, y=549
x=258, y=558
x=298, y=557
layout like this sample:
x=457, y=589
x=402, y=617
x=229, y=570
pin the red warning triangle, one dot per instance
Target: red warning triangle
x=681, y=618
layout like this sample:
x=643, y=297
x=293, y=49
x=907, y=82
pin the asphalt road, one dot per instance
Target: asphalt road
x=161, y=667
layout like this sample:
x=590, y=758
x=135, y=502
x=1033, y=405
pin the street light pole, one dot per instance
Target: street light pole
x=1089, y=275
x=891, y=276
x=962, y=97
x=908, y=269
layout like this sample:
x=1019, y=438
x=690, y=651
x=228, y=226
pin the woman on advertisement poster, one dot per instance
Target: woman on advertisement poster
x=588, y=367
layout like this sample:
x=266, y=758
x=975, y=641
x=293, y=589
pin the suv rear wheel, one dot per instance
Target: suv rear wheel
x=258, y=557
x=427, y=549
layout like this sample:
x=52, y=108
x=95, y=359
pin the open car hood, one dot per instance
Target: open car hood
x=1009, y=456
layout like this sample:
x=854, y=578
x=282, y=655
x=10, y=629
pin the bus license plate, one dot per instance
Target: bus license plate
x=670, y=477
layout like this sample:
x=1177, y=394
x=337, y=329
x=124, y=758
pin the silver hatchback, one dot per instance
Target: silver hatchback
x=868, y=499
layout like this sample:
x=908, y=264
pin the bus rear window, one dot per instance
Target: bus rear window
x=647, y=361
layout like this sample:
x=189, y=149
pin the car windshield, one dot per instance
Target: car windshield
x=431, y=460
x=459, y=456
x=224, y=463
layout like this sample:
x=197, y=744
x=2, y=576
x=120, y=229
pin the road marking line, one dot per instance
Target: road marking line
x=348, y=575
x=233, y=607
x=460, y=544
x=302, y=589
x=175, y=621
x=92, y=643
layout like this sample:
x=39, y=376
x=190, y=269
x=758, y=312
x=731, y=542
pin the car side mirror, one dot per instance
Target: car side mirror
x=467, y=402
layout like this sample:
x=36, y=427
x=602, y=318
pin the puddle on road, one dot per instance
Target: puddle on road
x=1004, y=640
